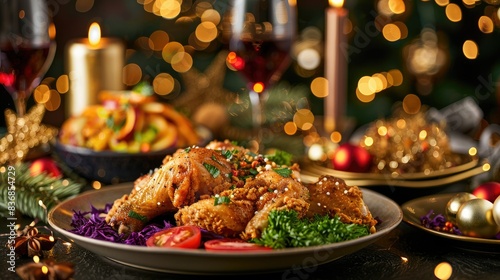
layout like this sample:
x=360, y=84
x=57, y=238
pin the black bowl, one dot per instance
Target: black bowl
x=110, y=167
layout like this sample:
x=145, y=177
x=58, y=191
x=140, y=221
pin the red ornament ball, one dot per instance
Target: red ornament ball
x=352, y=158
x=45, y=165
x=489, y=191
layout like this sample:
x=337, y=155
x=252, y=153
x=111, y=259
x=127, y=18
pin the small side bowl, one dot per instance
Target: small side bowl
x=110, y=167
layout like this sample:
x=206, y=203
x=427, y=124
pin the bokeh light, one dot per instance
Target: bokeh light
x=159, y=39
x=319, y=87
x=132, y=74
x=391, y=32
x=163, y=84
x=470, y=49
x=303, y=119
x=453, y=12
x=485, y=24
x=170, y=50
x=206, y=31
x=412, y=104
x=62, y=84
x=182, y=62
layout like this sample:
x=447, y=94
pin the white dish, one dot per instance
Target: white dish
x=199, y=261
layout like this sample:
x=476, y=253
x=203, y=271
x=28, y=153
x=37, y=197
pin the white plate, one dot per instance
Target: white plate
x=199, y=261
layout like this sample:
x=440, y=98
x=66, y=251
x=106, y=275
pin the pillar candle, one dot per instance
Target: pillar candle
x=93, y=64
x=335, y=65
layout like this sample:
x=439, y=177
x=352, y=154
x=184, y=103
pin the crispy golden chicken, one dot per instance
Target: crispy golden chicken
x=243, y=211
x=331, y=196
x=183, y=179
x=230, y=191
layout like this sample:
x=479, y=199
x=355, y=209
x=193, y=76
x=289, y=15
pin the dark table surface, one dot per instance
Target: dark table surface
x=405, y=253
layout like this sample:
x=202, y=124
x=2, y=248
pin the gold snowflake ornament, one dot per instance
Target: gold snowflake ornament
x=23, y=134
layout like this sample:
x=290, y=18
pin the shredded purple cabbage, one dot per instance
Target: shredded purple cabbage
x=438, y=223
x=92, y=224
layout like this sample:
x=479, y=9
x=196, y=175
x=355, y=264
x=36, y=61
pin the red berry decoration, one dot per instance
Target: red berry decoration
x=352, y=158
x=45, y=165
x=489, y=191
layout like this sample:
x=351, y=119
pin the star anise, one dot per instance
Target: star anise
x=31, y=242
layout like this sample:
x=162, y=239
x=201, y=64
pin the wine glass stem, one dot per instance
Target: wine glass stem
x=257, y=101
x=20, y=103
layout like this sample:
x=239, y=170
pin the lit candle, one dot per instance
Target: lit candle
x=335, y=65
x=93, y=64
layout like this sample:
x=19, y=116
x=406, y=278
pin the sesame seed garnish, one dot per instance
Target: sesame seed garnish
x=319, y=204
x=327, y=193
x=345, y=191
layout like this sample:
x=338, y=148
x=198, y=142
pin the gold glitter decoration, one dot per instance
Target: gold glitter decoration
x=23, y=134
x=409, y=144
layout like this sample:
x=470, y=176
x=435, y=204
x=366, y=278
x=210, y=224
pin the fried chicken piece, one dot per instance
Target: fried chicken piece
x=186, y=177
x=225, y=219
x=245, y=214
x=331, y=196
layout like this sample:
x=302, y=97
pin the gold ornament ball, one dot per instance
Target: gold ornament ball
x=454, y=204
x=475, y=218
x=496, y=210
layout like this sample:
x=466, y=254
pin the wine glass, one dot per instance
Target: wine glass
x=260, y=34
x=26, y=47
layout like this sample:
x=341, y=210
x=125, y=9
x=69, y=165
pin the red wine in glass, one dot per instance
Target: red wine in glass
x=21, y=67
x=259, y=34
x=26, y=47
x=261, y=62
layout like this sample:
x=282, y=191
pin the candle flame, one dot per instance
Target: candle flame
x=94, y=34
x=336, y=3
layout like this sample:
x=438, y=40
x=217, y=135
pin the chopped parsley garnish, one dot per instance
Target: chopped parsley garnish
x=187, y=150
x=284, y=172
x=218, y=200
x=228, y=154
x=286, y=230
x=214, y=171
x=137, y=216
x=281, y=157
x=253, y=171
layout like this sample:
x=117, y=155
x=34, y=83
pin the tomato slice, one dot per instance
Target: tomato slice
x=233, y=244
x=179, y=237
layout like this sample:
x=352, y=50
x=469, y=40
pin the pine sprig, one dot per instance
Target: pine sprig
x=31, y=190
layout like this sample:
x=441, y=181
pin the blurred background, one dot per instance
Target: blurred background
x=423, y=52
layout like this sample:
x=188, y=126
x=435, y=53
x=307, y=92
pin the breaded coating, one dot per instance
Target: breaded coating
x=181, y=181
x=331, y=196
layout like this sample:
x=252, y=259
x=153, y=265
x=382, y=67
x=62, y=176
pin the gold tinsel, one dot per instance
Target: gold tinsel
x=409, y=144
x=23, y=134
